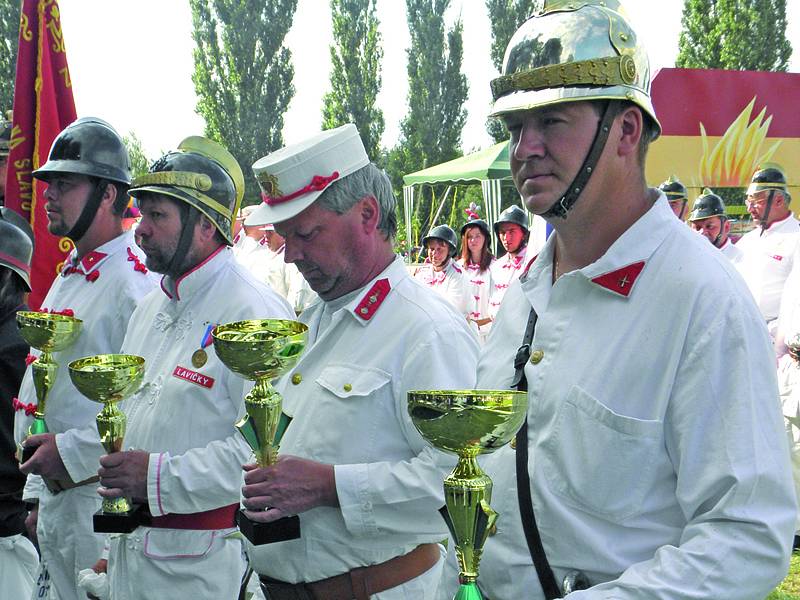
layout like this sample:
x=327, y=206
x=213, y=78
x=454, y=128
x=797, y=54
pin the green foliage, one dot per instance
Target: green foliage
x=139, y=161
x=9, y=39
x=243, y=75
x=505, y=17
x=431, y=130
x=734, y=34
x=355, y=74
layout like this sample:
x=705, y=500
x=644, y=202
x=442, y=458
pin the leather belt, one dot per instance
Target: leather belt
x=218, y=518
x=60, y=485
x=360, y=583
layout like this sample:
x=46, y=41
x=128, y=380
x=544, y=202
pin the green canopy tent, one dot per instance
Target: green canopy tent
x=488, y=167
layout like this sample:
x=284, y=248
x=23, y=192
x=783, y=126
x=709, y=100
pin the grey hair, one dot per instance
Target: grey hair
x=344, y=193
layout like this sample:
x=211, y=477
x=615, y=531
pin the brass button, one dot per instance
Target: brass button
x=364, y=311
x=297, y=378
x=536, y=357
x=347, y=387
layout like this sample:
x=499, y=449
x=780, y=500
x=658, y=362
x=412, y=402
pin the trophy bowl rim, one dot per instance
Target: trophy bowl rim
x=75, y=372
x=36, y=316
x=232, y=325
x=227, y=349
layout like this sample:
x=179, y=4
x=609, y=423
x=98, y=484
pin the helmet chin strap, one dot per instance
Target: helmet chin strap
x=89, y=211
x=187, y=233
x=767, y=210
x=561, y=207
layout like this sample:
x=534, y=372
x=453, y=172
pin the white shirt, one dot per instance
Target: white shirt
x=184, y=415
x=103, y=290
x=450, y=283
x=283, y=277
x=731, y=251
x=767, y=260
x=657, y=454
x=347, y=395
x=505, y=271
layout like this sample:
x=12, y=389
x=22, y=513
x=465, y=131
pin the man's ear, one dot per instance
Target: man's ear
x=109, y=195
x=206, y=228
x=631, y=130
x=370, y=213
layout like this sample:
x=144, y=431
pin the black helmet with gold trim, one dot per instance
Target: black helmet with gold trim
x=707, y=205
x=673, y=189
x=769, y=176
x=202, y=174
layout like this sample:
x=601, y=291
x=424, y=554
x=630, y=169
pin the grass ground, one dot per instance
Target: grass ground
x=790, y=588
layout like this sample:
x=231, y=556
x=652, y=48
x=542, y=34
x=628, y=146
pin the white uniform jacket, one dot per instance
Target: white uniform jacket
x=283, y=277
x=789, y=386
x=103, y=290
x=479, y=289
x=731, y=251
x=451, y=283
x=347, y=395
x=657, y=454
x=505, y=271
x=767, y=261
x=184, y=415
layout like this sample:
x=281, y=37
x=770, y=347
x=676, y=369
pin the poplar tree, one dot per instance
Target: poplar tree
x=355, y=72
x=734, y=34
x=243, y=75
x=9, y=38
x=505, y=17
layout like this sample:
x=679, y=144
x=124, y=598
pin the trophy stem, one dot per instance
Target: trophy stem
x=111, y=425
x=264, y=406
x=44, y=371
x=467, y=492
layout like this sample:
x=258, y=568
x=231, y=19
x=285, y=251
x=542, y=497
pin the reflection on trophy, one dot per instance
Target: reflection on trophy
x=468, y=423
x=261, y=350
x=109, y=378
x=47, y=332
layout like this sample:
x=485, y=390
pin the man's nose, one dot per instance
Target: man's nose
x=530, y=143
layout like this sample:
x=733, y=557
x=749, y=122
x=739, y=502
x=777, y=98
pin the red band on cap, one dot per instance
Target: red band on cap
x=318, y=183
x=17, y=263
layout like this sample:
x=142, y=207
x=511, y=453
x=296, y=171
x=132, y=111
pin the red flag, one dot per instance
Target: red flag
x=43, y=106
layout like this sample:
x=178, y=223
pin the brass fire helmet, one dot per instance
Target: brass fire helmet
x=202, y=174
x=570, y=51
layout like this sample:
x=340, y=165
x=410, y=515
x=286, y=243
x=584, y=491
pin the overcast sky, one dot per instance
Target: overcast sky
x=136, y=74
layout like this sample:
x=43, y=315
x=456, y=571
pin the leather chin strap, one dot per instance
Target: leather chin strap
x=187, y=233
x=561, y=207
x=89, y=211
x=767, y=210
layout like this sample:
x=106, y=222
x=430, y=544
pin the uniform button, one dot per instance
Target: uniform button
x=364, y=311
x=297, y=378
x=536, y=357
x=347, y=387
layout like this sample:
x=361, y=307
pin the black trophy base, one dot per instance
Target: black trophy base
x=282, y=530
x=105, y=522
x=25, y=453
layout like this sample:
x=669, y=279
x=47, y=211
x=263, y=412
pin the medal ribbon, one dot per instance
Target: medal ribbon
x=205, y=341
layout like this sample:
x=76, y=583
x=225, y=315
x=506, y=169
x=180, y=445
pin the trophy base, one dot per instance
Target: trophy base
x=282, y=530
x=106, y=522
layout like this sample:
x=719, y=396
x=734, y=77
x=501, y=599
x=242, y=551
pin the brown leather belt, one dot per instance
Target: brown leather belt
x=360, y=583
x=60, y=485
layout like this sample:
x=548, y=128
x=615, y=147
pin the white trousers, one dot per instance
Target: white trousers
x=18, y=565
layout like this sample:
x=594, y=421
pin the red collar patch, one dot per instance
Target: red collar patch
x=621, y=281
x=372, y=300
x=91, y=259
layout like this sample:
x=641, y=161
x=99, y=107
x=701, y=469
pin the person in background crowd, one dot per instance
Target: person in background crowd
x=677, y=196
x=368, y=507
x=653, y=458
x=789, y=388
x=87, y=174
x=188, y=455
x=708, y=218
x=441, y=273
x=476, y=258
x=511, y=229
x=248, y=239
x=768, y=251
x=18, y=558
x=5, y=139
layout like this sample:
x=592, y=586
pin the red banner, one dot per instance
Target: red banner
x=43, y=106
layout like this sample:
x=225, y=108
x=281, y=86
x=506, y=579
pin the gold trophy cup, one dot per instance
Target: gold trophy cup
x=47, y=332
x=261, y=350
x=468, y=423
x=109, y=378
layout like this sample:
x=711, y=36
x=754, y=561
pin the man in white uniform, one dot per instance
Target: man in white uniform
x=677, y=196
x=442, y=273
x=511, y=229
x=103, y=279
x=653, y=453
x=709, y=219
x=366, y=486
x=188, y=455
x=769, y=249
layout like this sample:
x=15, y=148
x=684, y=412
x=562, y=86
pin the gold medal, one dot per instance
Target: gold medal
x=199, y=358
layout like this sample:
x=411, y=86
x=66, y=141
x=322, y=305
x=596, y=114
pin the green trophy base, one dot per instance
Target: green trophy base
x=468, y=591
x=126, y=522
x=282, y=530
